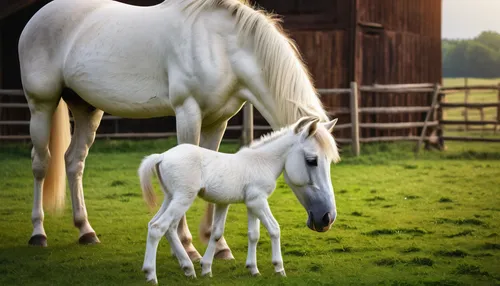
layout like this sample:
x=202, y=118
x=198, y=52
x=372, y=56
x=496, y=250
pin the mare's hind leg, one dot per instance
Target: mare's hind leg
x=188, y=121
x=40, y=126
x=210, y=139
x=86, y=119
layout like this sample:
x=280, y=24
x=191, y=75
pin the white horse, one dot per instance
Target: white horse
x=197, y=60
x=303, y=152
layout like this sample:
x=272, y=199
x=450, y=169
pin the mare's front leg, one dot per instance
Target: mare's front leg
x=211, y=137
x=217, y=232
x=87, y=120
x=188, y=123
x=260, y=208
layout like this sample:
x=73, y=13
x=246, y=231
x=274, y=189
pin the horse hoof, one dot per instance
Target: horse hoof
x=207, y=274
x=38, y=240
x=89, y=238
x=194, y=256
x=256, y=274
x=224, y=254
x=152, y=281
x=191, y=276
x=281, y=273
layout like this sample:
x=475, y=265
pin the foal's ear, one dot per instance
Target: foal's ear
x=310, y=128
x=301, y=123
x=329, y=125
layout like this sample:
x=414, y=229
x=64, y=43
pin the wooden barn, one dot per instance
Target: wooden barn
x=342, y=41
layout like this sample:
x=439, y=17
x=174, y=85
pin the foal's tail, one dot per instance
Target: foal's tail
x=146, y=171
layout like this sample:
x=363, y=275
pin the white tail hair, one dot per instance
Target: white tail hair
x=146, y=171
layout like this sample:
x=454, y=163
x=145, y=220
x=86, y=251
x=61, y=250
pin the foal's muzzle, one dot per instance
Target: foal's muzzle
x=321, y=221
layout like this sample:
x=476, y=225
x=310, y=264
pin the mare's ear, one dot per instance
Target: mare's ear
x=329, y=125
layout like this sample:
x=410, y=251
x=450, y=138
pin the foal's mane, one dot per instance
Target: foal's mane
x=324, y=139
x=283, y=67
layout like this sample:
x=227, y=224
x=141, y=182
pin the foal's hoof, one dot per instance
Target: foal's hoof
x=281, y=273
x=224, y=254
x=38, y=240
x=207, y=274
x=89, y=238
x=150, y=276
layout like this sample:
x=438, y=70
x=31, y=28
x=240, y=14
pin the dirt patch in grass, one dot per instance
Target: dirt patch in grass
x=466, y=221
x=445, y=200
x=469, y=269
x=385, y=231
x=452, y=253
x=462, y=233
x=411, y=249
x=424, y=261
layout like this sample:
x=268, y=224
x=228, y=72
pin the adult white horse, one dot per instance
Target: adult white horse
x=197, y=60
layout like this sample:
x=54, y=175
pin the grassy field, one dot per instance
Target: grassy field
x=490, y=113
x=401, y=221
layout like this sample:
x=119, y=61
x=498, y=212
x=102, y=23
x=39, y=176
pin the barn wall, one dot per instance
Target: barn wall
x=399, y=42
x=321, y=31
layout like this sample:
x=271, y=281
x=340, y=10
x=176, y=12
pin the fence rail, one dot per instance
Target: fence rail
x=434, y=115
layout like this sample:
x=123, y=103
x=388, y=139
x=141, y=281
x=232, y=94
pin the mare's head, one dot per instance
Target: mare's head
x=307, y=171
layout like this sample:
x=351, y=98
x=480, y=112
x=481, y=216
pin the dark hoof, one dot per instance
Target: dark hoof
x=38, y=240
x=89, y=238
x=224, y=254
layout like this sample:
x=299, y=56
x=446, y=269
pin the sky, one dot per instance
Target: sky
x=465, y=19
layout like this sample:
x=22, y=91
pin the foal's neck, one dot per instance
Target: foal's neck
x=272, y=155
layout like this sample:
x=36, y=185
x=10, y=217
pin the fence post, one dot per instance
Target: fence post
x=247, y=130
x=354, y=119
x=466, y=111
x=435, y=96
x=498, y=108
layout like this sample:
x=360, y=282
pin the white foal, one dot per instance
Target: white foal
x=303, y=151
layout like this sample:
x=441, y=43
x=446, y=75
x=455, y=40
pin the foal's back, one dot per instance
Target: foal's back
x=214, y=176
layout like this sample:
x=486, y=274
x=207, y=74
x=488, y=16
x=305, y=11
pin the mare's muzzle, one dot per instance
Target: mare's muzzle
x=321, y=221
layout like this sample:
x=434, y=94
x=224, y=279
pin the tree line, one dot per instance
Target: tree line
x=477, y=57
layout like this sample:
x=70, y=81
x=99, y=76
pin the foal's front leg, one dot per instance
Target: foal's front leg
x=253, y=239
x=260, y=208
x=217, y=232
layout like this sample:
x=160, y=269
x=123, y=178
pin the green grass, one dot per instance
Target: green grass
x=401, y=221
x=490, y=113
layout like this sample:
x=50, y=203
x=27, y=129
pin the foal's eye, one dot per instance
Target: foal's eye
x=312, y=161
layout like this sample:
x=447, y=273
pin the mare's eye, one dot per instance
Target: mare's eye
x=312, y=161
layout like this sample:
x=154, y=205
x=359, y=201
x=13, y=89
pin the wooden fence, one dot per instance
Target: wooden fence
x=433, y=119
x=466, y=105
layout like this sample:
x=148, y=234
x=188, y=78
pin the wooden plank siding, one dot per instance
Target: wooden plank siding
x=400, y=42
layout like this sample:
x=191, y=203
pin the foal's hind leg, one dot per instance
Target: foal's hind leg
x=163, y=225
x=210, y=139
x=86, y=119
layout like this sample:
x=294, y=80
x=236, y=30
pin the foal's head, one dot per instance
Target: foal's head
x=307, y=171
